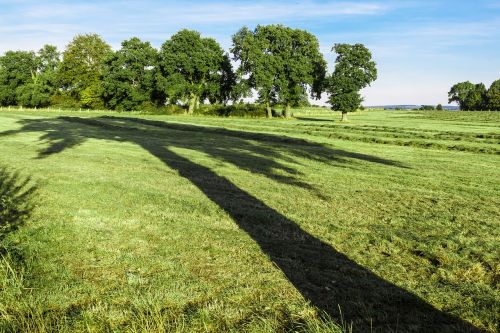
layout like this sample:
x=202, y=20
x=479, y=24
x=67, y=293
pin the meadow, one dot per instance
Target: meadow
x=143, y=223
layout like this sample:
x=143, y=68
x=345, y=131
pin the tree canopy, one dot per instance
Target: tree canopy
x=29, y=78
x=354, y=70
x=128, y=75
x=283, y=66
x=493, y=96
x=16, y=70
x=192, y=68
x=469, y=96
x=281, y=63
x=81, y=69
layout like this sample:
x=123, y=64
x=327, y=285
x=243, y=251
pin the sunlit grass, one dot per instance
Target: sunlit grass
x=125, y=236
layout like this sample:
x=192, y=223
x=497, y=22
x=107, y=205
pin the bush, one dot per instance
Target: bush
x=64, y=101
x=16, y=205
x=235, y=110
x=150, y=108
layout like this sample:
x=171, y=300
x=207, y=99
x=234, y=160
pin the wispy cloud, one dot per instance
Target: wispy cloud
x=167, y=12
x=421, y=46
x=209, y=12
x=157, y=19
x=59, y=10
x=263, y=11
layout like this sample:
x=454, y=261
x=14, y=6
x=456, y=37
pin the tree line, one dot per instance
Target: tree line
x=282, y=65
x=475, y=97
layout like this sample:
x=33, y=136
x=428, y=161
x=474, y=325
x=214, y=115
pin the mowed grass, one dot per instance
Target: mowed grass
x=389, y=223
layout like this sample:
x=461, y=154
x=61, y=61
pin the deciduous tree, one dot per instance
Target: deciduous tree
x=459, y=94
x=17, y=69
x=82, y=67
x=281, y=63
x=476, y=99
x=192, y=68
x=43, y=83
x=493, y=96
x=469, y=96
x=354, y=70
x=128, y=75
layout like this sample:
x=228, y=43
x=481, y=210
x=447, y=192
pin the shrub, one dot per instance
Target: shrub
x=150, y=108
x=64, y=101
x=235, y=110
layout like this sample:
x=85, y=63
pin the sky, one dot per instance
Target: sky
x=421, y=47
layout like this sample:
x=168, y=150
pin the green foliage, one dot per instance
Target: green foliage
x=128, y=75
x=439, y=107
x=344, y=100
x=476, y=100
x=354, y=70
x=428, y=108
x=191, y=69
x=81, y=69
x=27, y=78
x=469, y=96
x=34, y=95
x=303, y=101
x=44, y=79
x=17, y=68
x=235, y=110
x=283, y=65
x=493, y=96
x=150, y=108
x=459, y=93
x=280, y=63
x=16, y=203
x=64, y=100
x=91, y=96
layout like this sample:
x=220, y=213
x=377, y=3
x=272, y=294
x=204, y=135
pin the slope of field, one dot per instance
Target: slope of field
x=389, y=223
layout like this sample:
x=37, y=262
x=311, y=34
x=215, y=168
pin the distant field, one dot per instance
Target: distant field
x=388, y=223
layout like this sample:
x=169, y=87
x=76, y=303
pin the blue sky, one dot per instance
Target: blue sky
x=421, y=47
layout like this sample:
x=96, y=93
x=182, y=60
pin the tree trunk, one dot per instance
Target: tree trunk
x=288, y=114
x=344, y=116
x=192, y=104
x=269, y=111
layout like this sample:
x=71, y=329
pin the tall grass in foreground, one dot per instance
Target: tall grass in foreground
x=16, y=205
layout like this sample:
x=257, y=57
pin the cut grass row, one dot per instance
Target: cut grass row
x=383, y=138
x=472, y=142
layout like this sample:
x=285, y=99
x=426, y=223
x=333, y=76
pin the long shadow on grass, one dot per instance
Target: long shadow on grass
x=325, y=277
x=16, y=201
x=315, y=119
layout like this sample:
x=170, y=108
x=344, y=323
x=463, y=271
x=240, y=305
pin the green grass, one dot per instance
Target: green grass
x=389, y=223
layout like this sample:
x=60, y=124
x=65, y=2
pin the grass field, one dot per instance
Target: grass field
x=388, y=223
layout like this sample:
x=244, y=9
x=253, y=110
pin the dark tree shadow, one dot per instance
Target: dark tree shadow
x=16, y=201
x=315, y=119
x=325, y=277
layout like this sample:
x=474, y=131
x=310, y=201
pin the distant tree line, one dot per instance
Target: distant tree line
x=282, y=65
x=475, y=97
x=438, y=107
